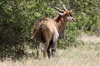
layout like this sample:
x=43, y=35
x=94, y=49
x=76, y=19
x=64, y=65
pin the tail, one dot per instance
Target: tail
x=30, y=39
x=32, y=36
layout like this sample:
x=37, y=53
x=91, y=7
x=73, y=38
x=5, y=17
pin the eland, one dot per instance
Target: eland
x=49, y=30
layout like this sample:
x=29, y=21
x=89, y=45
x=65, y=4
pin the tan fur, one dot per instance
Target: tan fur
x=48, y=26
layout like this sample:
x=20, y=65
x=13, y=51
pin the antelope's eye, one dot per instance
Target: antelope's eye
x=70, y=14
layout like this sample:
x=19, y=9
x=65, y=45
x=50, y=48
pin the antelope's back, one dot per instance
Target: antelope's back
x=49, y=25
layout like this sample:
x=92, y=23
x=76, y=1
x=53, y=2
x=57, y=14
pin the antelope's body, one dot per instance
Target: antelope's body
x=49, y=30
x=45, y=29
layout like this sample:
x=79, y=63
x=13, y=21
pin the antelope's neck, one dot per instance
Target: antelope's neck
x=61, y=24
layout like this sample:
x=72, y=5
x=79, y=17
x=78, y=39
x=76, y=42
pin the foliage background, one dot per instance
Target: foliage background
x=18, y=16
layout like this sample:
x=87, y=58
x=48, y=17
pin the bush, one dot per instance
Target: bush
x=18, y=16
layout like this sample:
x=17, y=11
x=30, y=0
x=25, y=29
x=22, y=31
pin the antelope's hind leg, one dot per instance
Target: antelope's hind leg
x=48, y=51
x=45, y=51
x=39, y=50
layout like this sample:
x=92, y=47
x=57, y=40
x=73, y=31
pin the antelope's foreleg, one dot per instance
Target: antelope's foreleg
x=53, y=48
x=54, y=43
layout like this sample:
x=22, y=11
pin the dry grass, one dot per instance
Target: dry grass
x=89, y=39
x=87, y=55
x=83, y=55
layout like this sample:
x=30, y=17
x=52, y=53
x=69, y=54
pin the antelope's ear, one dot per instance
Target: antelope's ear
x=71, y=10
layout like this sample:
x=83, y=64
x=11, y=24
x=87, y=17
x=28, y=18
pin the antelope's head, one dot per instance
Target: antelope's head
x=66, y=14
